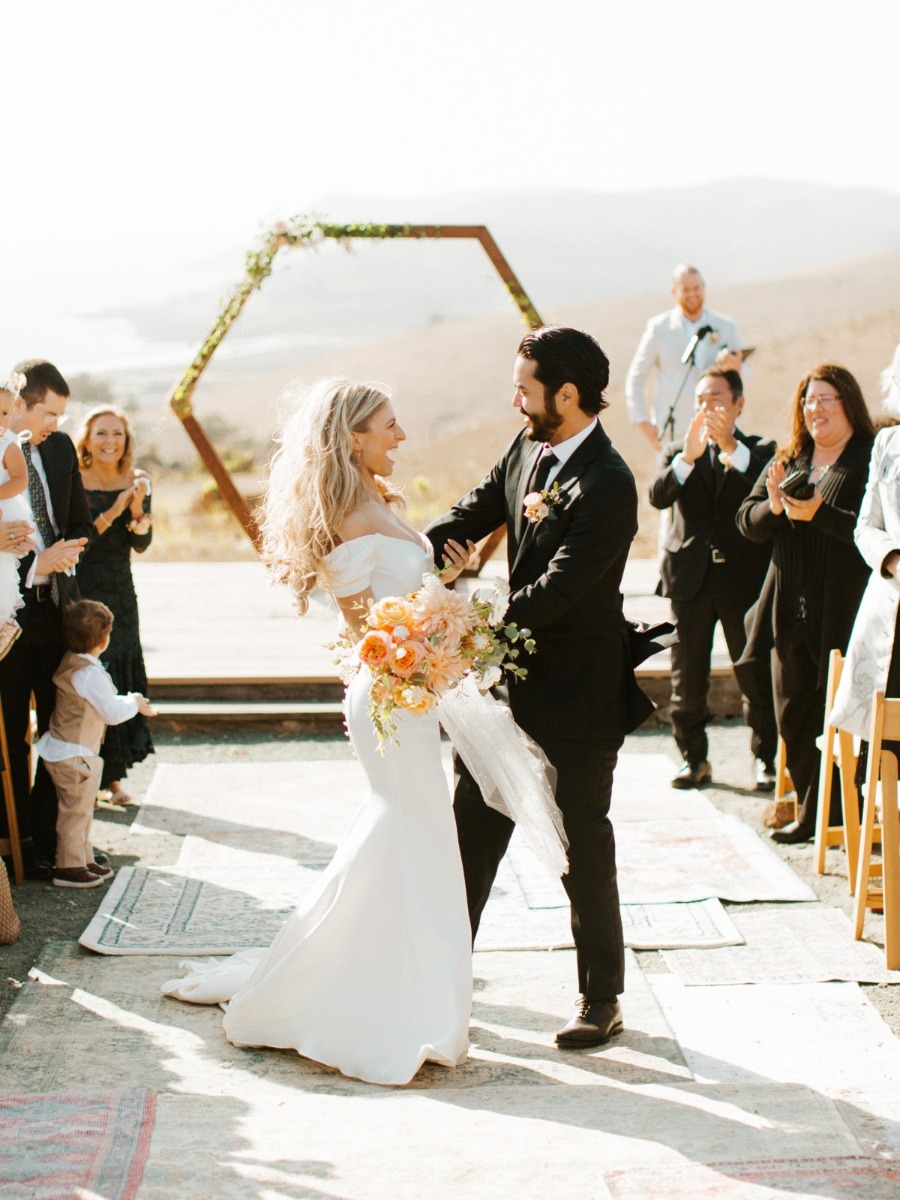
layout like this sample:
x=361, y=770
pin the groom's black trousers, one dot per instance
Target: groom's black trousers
x=583, y=793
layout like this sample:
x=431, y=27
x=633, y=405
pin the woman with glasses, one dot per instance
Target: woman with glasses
x=806, y=503
x=873, y=655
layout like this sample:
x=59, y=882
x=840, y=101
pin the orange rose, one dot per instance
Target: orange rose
x=407, y=658
x=391, y=611
x=375, y=649
x=416, y=700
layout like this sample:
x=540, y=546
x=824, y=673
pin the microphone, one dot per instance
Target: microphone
x=688, y=356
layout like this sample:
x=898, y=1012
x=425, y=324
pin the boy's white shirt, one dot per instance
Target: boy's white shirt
x=93, y=684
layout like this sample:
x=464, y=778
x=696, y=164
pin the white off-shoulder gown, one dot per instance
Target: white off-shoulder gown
x=372, y=973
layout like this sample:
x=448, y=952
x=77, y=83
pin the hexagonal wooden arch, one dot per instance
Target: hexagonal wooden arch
x=306, y=231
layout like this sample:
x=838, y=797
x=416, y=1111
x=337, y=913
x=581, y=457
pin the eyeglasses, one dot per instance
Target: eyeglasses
x=822, y=401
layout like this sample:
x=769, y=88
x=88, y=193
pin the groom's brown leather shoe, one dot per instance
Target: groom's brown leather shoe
x=594, y=1023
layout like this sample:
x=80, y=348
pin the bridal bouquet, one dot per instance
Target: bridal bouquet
x=419, y=647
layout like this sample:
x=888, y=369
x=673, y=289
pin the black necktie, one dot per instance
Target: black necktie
x=546, y=462
x=38, y=498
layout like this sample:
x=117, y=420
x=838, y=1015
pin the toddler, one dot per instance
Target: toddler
x=86, y=702
x=13, y=482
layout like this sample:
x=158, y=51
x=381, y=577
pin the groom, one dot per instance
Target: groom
x=580, y=697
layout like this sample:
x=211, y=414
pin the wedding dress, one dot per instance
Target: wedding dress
x=372, y=973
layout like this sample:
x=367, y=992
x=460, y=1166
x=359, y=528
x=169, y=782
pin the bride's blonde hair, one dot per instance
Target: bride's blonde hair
x=314, y=482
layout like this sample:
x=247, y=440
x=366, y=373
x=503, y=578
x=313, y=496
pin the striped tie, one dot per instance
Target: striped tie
x=38, y=498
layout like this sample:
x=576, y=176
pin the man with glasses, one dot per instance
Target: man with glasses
x=711, y=573
x=62, y=527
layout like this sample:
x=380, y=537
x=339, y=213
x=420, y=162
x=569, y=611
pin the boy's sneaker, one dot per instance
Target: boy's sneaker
x=76, y=877
x=98, y=869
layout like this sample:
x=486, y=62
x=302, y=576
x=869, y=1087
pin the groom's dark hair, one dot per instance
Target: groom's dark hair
x=561, y=356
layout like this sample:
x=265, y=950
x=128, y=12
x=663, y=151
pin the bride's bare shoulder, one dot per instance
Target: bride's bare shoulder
x=365, y=520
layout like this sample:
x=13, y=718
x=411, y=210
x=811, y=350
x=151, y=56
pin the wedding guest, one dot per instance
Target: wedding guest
x=61, y=522
x=660, y=353
x=118, y=493
x=873, y=654
x=710, y=573
x=806, y=503
x=86, y=702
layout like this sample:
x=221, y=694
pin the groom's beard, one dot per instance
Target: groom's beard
x=545, y=424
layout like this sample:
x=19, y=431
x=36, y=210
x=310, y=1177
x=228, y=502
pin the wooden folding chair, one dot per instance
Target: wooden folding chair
x=783, y=782
x=882, y=768
x=837, y=749
x=10, y=845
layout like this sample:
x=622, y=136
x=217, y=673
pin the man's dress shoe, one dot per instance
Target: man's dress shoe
x=34, y=865
x=594, y=1023
x=763, y=776
x=693, y=775
x=793, y=834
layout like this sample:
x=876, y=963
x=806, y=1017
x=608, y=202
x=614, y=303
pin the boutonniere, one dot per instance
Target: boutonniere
x=540, y=505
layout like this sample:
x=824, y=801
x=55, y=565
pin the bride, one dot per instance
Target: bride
x=372, y=972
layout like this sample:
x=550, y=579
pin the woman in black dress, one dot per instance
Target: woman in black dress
x=119, y=497
x=806, y=503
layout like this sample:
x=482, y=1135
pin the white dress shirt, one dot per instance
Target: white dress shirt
x=32, y=577
x=566, y=449
x=738, y=460
x=93, y=684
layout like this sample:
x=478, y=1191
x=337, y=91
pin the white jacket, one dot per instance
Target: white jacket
x=660, y=349
x=872, y=640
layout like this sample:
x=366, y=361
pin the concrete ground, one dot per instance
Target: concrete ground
x=737, y=1093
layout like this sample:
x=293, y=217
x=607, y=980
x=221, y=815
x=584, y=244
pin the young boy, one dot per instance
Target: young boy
x=86, y=702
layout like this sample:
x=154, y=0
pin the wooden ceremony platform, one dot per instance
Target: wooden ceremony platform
x=224, y=647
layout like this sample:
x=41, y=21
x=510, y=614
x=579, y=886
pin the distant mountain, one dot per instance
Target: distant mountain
x=567, y=248
x=452, y=379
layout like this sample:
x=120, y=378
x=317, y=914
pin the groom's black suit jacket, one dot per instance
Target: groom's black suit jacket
x=565, y=579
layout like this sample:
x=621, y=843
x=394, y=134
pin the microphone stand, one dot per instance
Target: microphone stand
x=669, y=423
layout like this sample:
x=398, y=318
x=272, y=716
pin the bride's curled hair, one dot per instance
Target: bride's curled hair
x=314, y=483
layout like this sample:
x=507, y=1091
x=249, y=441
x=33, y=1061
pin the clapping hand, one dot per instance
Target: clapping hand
x=720, y=429
x=16, y=537
x=140, y=489
x=776, y=476
x=802, y=510
x=60, y=556
x=697, y=437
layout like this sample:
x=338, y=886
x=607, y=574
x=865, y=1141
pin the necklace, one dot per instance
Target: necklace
x=817, y=474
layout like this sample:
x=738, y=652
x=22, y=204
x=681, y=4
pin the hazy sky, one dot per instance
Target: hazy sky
x=141, y=140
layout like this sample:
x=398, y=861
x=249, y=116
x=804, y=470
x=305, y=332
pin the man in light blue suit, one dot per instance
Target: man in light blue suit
x=661, y=351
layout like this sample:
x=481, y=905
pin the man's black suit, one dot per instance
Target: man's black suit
x=30, y=664
x=580, y=697
x=711, y=572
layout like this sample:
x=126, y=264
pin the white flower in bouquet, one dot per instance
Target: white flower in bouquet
x=495, y=598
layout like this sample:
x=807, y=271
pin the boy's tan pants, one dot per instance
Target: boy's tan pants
x=76, y=781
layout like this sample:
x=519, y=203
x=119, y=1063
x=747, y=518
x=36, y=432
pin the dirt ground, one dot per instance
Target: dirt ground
x=51, y=914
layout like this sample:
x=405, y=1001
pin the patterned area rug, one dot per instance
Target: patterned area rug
x=215, y=907
x=702, y=924
x=676, y=861
x=212, y=910
x=809, y=944
x=62, y=1146
x=813, y=1179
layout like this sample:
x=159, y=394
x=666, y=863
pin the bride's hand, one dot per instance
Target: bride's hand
x=456, y=559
